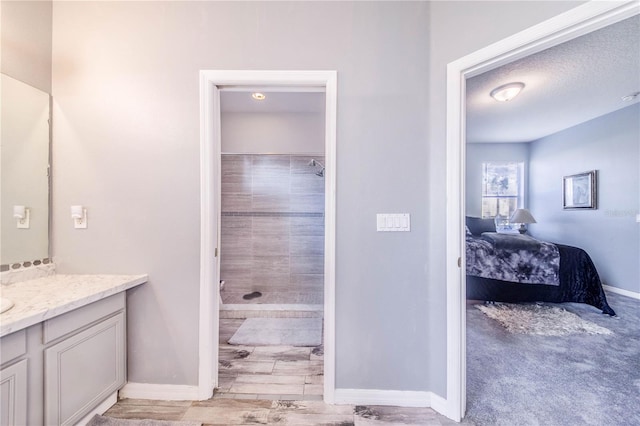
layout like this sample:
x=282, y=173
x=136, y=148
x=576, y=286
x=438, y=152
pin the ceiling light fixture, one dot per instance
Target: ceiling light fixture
x=258, y=96
x=631, y=97
x=507, y=92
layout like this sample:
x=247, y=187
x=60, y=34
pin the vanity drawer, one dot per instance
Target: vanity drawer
x=82, y=317
x=14, y=346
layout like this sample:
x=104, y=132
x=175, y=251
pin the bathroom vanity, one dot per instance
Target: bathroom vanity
x=63, y=347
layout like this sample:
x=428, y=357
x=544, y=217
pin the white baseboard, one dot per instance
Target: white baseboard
x=622, y=291
x=442, y=406
x=383, y=397
x=394, y=398
x=163, y=392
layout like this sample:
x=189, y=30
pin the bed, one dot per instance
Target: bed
x=519, y=268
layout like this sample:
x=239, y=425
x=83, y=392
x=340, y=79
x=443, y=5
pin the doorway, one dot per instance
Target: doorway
x=272, y=243
x=210, y=84
x=564, y=27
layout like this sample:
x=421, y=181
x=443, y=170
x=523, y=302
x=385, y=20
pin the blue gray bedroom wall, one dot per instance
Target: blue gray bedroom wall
x=610, y=234
x=126, y=145
x=478, y=153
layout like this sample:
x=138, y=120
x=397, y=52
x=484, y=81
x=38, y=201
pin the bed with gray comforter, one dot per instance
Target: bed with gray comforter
x=519, y=268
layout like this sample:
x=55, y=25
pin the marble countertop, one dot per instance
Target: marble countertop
x=44, y=298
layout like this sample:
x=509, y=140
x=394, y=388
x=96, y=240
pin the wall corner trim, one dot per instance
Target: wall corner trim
x=158, y=391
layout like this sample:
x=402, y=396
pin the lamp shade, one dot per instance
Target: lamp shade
x=522, y=216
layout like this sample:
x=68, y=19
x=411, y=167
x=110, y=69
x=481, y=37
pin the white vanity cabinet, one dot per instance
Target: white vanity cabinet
x=58, y=371
x=63, y=347
x=84, y=359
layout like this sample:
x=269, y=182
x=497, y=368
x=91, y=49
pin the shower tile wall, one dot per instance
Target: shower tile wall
x=272, y=230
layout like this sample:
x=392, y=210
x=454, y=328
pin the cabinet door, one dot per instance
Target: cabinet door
x=81, y=371
x=13, y=389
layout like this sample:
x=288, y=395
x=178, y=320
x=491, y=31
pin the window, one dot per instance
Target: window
x=502, y=188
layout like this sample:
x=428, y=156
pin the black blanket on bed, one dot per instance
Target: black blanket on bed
x=579, y=282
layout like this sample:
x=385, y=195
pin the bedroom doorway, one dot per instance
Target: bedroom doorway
x=210, y=142
x=572, y=24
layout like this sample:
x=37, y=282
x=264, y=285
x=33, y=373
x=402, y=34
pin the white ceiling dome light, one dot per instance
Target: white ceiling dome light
x=506, y=92
x=258, y=96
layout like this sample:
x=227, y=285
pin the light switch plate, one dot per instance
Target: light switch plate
x=393, y=222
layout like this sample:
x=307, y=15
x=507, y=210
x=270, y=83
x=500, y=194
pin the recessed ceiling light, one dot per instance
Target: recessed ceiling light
x=631, y=97
x=507, y=92
x=258, y=96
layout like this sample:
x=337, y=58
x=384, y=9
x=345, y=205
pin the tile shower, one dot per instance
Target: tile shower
x=272, y=229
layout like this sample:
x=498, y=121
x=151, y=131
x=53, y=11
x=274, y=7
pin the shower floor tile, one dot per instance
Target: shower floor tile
x=231, y=297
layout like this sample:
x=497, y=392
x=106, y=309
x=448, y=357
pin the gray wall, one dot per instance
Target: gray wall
x=125, y=82
x=610, y=234
x=274, y=133
x=25, y=51
x=478, y=153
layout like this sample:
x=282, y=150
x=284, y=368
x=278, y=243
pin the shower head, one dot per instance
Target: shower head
x=314, y=163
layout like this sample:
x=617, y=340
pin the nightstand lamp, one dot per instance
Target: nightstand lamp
x=523, y=217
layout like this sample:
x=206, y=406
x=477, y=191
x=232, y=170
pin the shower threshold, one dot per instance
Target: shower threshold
x=270, y=307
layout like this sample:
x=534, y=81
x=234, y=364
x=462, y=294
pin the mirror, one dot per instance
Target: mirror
x=24, y=173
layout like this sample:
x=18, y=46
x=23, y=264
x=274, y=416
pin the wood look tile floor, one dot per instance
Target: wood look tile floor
x=271, y=385
x=272, y=372
x=264, y=411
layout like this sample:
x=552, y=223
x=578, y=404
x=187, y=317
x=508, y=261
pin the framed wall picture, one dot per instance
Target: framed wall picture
x=580, y=191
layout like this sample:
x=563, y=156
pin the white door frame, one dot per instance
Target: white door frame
x=210, y=148
x=566, y=26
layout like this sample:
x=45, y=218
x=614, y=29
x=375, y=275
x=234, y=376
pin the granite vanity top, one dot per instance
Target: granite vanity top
x=44, y=298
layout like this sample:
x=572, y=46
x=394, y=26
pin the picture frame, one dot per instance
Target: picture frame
x=579, y=191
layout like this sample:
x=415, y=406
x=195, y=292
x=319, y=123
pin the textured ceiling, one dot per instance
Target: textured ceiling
x=566, y=85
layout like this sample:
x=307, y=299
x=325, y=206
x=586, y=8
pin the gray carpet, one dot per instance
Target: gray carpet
x=279, y=332
x=579, y=379
x=98, y=420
